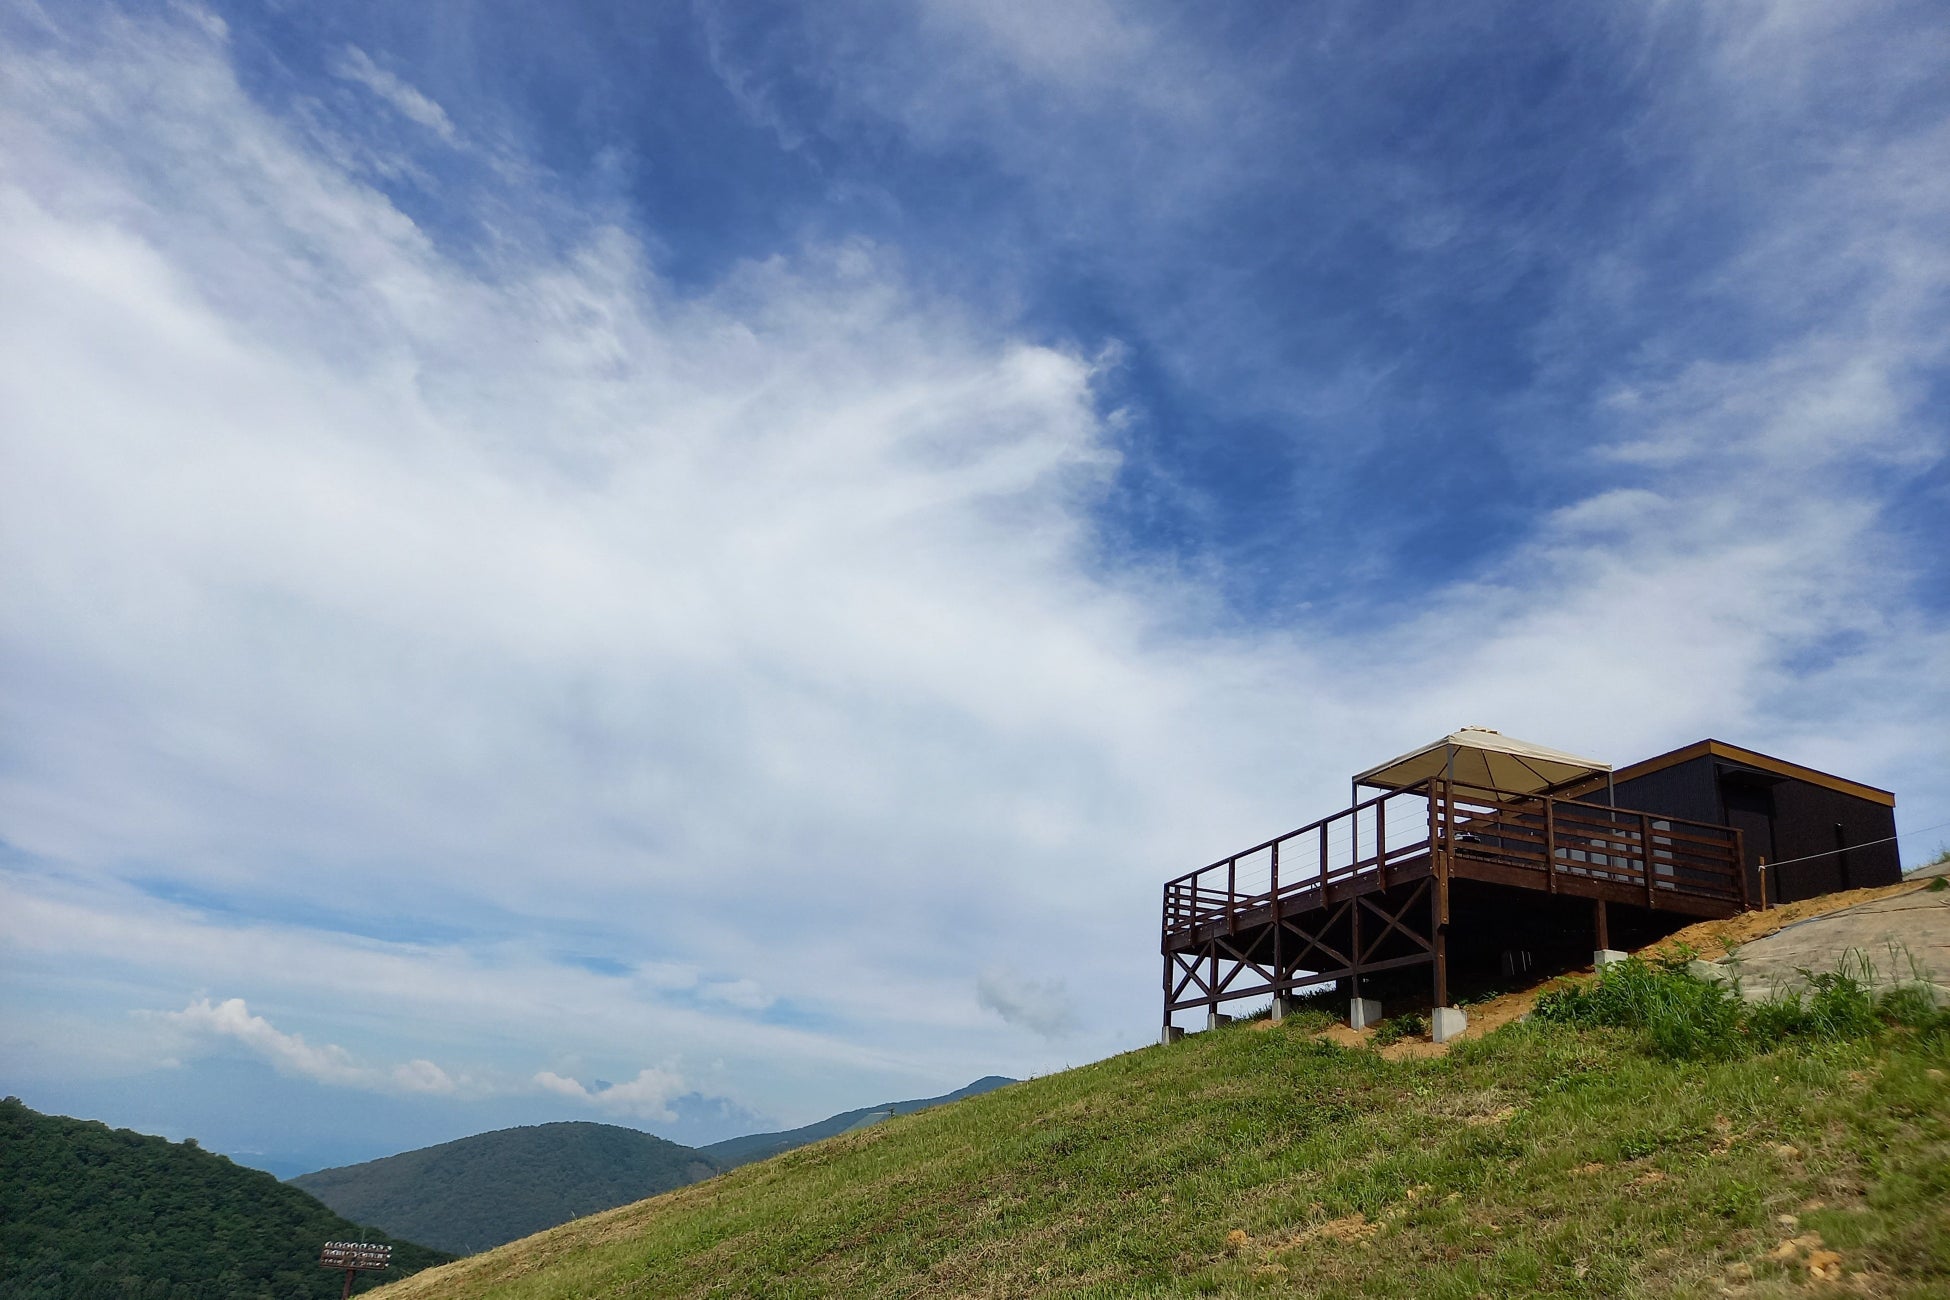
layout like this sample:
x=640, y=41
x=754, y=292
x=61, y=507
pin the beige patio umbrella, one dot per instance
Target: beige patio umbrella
x=1486, y=760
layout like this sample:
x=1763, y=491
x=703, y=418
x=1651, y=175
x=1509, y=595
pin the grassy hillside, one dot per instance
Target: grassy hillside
x=1571, y=1157
x=483, y=1190
x=733, y=1152
x=93, y=1213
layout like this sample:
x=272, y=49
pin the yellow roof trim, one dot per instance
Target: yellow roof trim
x=1765, y=762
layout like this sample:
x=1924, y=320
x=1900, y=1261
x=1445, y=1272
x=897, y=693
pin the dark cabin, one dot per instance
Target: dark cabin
x=1818, y=833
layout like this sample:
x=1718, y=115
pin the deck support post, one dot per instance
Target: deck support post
x=1439, y=937
x=1354, y=843
x=1645, y=856
x=1354, y=950
x=1279, y=935
x=1600, y=923
x=1550, y=844
x=1211, y=985
x=1381, y=845
x=1212, y=988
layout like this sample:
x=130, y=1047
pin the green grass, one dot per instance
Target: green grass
x=1684, y=1018
x=1549, y=1158
x=1410, y=1025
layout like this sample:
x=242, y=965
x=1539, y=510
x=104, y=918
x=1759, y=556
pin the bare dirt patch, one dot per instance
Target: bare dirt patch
x=1484, y=1017
x=1346, y=1230
x=1714, y=939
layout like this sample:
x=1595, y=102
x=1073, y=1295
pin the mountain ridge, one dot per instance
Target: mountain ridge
x=480, y=1191
x=732, y=1152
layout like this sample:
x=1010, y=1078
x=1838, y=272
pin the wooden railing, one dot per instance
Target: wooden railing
x=1536, y=841
x=1389, y=830
x=1554, y=840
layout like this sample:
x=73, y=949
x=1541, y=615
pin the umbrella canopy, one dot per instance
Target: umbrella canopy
x=1485, y=759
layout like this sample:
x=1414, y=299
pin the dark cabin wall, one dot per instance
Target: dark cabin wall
x=1683, y=790
x=1805, y=818
x=1781, y=818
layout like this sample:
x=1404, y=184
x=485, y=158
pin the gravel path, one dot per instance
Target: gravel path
x=1903, y=940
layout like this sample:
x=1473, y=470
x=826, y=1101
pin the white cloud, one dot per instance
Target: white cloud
x=561, y=1086
x=647, y=1096
x=354, y=64
x=746, y=994
x=422, y=1076
x=1041, y=1006
x=291, y=1054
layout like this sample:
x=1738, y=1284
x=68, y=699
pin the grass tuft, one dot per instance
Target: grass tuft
x=1682, y=1017
x=1413, y=1024
x=1309, y=1020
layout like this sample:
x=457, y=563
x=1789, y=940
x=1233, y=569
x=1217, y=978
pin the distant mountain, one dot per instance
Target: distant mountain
x=733, y=1152
x=93, y=1213
x=492, y=1188
x=495, y=1187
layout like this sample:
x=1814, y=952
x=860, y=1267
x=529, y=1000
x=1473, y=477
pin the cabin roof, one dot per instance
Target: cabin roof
x=1720, y=749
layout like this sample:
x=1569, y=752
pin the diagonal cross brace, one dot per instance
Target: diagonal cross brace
x=1317, y=941
x=1392, y=922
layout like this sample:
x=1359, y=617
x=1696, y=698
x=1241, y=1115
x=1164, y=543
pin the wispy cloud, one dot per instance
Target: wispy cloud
x=1041, y=1006
x=354, y=64
x=291, y=1054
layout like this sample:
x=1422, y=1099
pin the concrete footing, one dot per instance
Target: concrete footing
x=1279, y=1010
x=1606, y=957
x=1362, y=1012
x=1213, y=1019
x=1446, y=1023
x=1170, y=1034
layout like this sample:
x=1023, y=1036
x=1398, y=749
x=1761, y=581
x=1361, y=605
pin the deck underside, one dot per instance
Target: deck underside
x=1356, y=933
x=1491, y=880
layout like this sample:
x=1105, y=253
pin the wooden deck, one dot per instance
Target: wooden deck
x=1372, y=888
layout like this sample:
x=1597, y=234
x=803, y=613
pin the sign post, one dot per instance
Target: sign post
x=355, y=1257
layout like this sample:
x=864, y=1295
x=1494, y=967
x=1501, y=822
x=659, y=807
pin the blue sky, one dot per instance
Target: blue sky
x=696, y=565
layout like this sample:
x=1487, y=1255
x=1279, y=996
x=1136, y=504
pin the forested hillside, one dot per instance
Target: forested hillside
x=93, y=1213
x=480, y=1191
